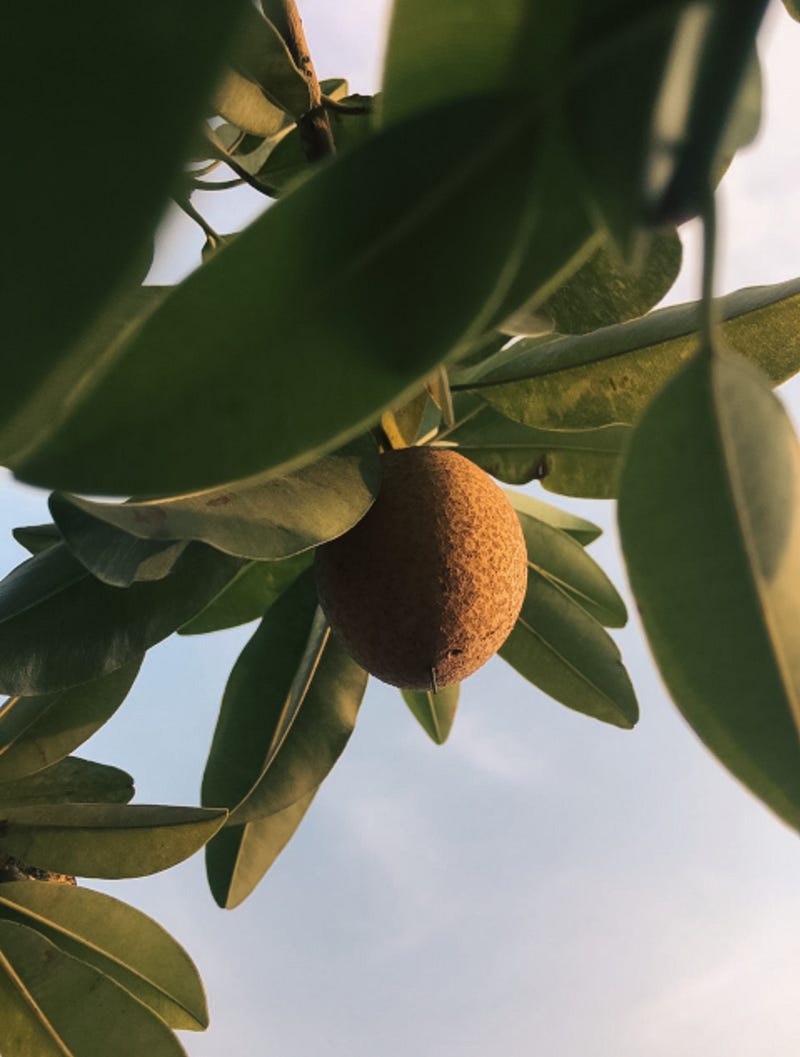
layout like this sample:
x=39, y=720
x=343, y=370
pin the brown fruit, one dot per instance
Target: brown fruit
x=428, y=585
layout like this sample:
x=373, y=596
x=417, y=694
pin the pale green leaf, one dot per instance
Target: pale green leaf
x=579, y=528
x=434, y=712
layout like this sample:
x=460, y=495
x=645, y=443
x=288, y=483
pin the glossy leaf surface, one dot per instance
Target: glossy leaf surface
x=388, y=240
x=43, y=994
x=60, y=627
x=119, y=941
x=609, y=377
x=270, y=519
x=70, y=781
x=434, y=712
x=558, y=647
x=108, y=840
x=249, y=595
x=714, y=566
x=36, y=732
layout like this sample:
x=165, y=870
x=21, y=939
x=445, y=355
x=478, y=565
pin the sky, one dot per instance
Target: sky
x=541, y=884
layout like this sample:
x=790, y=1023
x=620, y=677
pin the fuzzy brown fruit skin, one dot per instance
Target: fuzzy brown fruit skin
x=428, y=585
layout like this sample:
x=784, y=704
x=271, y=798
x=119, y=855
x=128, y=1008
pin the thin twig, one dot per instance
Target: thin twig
x=191, y=212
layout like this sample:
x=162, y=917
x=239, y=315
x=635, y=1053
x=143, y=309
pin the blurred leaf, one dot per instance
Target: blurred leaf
x=434, y=712
x=249, y=595
x=36, y=732
x=745, y=117
x=583, y=531
x=70, y=781
x=239, y=856
x=144, y=67
x=55, y=1005
x=554, y=554
x=35, y=538
x=709, y=61
x=388, y=241
x=107, y=840
x=112, y=555
x=583, y=462
x=289, y=708
x=558, y=647
x=605, y=290
x=714, y=566
x=119, y=941
x=59, y=626
x=609, y=377
x=242, y=102
x=793, y=9
x=260, y=519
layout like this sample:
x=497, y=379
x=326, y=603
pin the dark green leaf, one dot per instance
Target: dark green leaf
x=711, y=53
x=249, y=595
x=609, y=377
x=558, y=647
x=119, y=941
x=59, y=626
x=106, y=840
x=607, y=290
x=90, y=75
x=55, y=1005
x=583, y=531
x=36, y=732
x=583, y=462
x=35, y=538
x=714, y=565
x=239, y=856
x=259, y=519
x=70, y=781
x=389, y=241
x=555, y=555
x=289, y=708
x=434, y=712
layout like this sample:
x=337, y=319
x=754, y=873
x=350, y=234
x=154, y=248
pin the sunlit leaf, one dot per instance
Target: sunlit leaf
x=260, y=519
x=70, y=781
x=59, y=626
x=55, y=1005
x=609, y=377
x=283, y=392
x=36, y=732
x=119, y=941
x=240, y=101
x=239, y=856
x=714, y=565
x=578, y=528
x=558, y=647
x=434, y=712
x=249, y=595
x=107, y=840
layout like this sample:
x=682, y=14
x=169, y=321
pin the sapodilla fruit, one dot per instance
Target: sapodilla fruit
x=428, y=585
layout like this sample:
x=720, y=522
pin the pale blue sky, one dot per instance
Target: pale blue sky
x=543, y=884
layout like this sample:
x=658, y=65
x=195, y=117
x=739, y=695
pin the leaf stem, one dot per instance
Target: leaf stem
x=184, y=204
x=709, y=312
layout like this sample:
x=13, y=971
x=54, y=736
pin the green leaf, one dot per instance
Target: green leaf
x=709, y=61
x=60, y=627
x=116, y=557
x=117, y=940
x=239, y=856
x=148, y=68
x=607, y=290
x=563, y=561
x=106, y=840
x=36, y=732
x=259, y=519
x=55, y=1005
x=584, y=462
x=793, y=9
x=745, y=117
x=70, y=781
x=578, y=528
x=35, y=538
x=714, y=566
x=240, y=101
x=289, y=708
x=249, y=595
x=434, y=712
x=609, y=377
x=389, y=241
x=558, y=647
